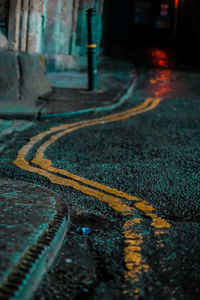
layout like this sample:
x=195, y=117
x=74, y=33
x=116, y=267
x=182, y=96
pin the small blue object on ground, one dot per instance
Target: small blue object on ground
x=83, y=230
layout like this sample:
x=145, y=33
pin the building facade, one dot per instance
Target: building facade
x=58, y=28
x=65, y=31
x=22, y=67
x=55, y=28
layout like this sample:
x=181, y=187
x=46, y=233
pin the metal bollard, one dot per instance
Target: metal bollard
x=92, y=51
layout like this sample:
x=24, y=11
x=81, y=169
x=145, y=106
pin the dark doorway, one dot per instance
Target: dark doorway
x=131, y=22
x=153, y=21
x=4, y=12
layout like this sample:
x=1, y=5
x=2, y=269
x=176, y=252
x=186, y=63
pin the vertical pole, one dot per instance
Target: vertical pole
x=92, y=51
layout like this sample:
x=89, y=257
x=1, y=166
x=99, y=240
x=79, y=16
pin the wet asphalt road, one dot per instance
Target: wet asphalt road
x=151, y=252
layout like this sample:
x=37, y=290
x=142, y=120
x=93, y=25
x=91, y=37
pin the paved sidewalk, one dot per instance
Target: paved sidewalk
x=70, y=95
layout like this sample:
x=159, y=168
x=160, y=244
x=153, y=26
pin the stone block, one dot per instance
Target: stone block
x=34, y=32
x=14, y=24
x=36, y=5
x=33, y=79
x=3, y=41
x=9, y=76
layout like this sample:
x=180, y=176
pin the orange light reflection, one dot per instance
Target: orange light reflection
x=163, y=76
x=161, y=81
x=160, y=58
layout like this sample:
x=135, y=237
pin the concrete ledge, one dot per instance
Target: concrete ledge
x=32, y=76
x=22, y=78
x=9, y=76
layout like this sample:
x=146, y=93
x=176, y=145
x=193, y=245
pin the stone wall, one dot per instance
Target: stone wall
x=22, y=68
x=58, y=26
x=35, y=26
x=66, y=32
x=25, y=25
x=55, y=28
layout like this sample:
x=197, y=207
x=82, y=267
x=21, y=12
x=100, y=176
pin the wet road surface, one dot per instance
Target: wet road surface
x=131, y=176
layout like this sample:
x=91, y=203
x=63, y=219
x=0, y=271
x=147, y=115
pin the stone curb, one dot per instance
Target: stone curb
x=39, y=116
x=119, y=101
x=26, y=275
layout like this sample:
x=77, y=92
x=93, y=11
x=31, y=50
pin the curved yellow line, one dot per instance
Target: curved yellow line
x=114, y=202
x=133, y=259
x=46, y=164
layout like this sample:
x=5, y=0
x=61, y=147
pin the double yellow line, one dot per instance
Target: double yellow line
x=113, y=197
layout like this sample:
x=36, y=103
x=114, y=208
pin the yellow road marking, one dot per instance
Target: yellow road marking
x=158, y=222
x=134, y=262
x=114, y=202
x=45, y=163
x=144, y=206
x=132, y=252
